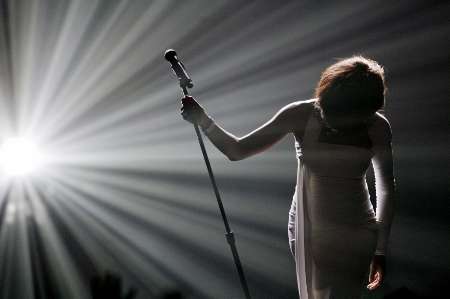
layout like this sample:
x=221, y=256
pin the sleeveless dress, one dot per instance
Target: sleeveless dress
x=332, y=226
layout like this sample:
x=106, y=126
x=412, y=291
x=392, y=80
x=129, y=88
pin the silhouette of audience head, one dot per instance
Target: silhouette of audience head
x=109, y=286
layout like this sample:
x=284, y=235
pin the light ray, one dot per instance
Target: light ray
x=124, y=186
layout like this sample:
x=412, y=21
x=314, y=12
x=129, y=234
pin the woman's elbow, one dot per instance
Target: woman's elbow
x=235, y=152
x=235, y=157
x=239, y=154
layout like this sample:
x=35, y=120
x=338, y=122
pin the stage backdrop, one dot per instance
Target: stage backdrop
x=122, y=185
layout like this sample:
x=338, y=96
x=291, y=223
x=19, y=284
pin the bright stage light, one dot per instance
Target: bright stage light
x=19, y=156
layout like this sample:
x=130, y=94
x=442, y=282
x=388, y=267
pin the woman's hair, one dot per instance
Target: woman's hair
x=353, y=85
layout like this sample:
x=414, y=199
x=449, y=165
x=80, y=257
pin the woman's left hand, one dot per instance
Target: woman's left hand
x=377, y=272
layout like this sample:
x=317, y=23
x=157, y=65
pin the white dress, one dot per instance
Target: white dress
x=333, y=231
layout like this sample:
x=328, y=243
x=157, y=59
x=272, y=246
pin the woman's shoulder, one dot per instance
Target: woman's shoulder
x=380, y=122
x=302, y=106
x=304, y=103
x=301, y=110
x=380, y=127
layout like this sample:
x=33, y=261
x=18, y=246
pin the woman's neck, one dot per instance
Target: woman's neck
x=343, y=122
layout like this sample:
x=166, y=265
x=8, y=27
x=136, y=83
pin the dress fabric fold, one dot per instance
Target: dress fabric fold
x=303, y=267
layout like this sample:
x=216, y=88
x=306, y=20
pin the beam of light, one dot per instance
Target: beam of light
x=123, y=185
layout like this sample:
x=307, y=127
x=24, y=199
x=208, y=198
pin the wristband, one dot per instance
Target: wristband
x=209, y=127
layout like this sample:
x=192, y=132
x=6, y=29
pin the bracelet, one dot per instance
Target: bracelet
x=209, y=127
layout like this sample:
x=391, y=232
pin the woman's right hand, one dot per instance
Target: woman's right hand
x=193, y=112
x=377, y=272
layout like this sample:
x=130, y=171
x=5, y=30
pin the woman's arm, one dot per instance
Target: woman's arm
x=381, y=136
x=260, y=139
x=382, y=162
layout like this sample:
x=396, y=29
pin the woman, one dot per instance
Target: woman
x=334, y=234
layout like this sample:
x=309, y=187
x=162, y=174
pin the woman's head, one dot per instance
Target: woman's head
x=352, y=87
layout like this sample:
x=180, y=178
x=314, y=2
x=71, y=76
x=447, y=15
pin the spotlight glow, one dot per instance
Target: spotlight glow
x=19, y=156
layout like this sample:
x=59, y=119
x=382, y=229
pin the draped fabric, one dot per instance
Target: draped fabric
x=302, y=225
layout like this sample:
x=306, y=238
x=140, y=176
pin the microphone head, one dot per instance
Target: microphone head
x=170, y=55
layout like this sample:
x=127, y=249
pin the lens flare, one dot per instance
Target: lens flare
x=19, y=156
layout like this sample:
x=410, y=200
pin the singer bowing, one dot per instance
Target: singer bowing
x=338, y=241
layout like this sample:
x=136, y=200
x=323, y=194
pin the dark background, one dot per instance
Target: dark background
x=129, y=191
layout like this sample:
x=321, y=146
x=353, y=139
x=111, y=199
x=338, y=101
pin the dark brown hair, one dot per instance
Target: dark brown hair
x=353, y=85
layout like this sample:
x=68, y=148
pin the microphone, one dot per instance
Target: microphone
x=177, y=66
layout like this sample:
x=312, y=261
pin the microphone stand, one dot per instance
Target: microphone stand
x=229, y=233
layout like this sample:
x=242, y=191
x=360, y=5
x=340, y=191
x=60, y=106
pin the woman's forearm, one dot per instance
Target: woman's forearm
x=385, y=194
x=226, y=142
x=258, y=140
